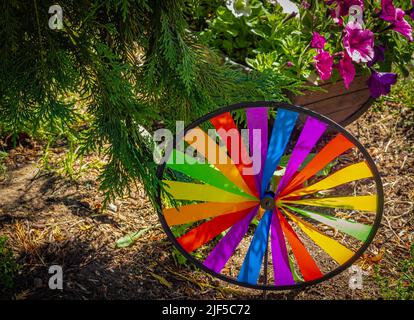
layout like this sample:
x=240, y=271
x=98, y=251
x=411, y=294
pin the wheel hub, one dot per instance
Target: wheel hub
x=268, y=201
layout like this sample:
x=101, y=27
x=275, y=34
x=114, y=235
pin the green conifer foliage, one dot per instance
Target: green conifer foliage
x=120, y=64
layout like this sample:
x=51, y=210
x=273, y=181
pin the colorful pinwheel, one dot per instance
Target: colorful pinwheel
x=284, y=198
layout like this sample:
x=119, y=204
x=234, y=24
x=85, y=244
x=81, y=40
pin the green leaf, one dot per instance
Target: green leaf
x=162, y=280
x=233, y=32
x=221, y=10
x=258, y=32
x=178, y=257
x=296, y=276
x=325, y=171
x=285, y=159
x=130, y=239
x=227, y=44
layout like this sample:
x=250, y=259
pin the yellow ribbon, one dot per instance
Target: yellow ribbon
x=363, y=203
x=351, y=173
x=333, y=248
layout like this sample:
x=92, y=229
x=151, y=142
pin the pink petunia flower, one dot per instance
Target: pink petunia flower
x=402, y=26
x=388, y=12
x=380, y=83
x=396, y=17
x=342, y=7
x=359, y=43
x=324, y=63
x=347, y=69
x=318, y=41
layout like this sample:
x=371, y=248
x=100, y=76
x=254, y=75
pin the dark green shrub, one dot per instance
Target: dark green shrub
x=8, y=265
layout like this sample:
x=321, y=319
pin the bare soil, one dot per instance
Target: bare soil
x=50, y=219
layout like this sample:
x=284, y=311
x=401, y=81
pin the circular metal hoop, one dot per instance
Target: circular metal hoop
x=331, y=125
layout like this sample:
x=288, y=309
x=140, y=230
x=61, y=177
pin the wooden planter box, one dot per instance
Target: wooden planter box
x=341, y=105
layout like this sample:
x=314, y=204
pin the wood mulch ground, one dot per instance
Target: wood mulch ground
x=54, y=220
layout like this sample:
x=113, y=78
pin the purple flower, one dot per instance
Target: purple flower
x=324, y=63
x=411, y=11
x=305, y=5
x=289, y=64
x=396, y=17
x=379, y=55
x=342, y=7
x=388, y=12
x=347, y=70
x=380, y=83
x=318, y=41
x=359, y=43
